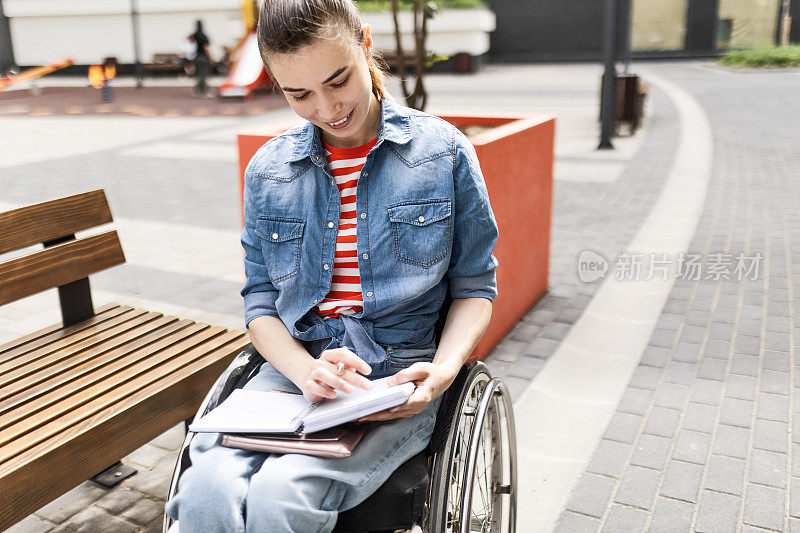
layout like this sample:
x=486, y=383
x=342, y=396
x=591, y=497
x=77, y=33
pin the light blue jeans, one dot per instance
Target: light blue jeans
x=230, y=491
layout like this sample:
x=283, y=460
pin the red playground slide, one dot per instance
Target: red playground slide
x=247, y=72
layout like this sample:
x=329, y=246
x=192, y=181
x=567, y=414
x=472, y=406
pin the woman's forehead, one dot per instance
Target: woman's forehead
x=312, y=63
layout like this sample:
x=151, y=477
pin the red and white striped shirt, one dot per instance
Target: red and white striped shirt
x=344, y=297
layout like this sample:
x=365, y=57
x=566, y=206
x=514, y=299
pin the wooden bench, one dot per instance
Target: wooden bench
x=77, y=396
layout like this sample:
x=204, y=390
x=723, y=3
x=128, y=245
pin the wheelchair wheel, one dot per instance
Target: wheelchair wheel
x=474, y=476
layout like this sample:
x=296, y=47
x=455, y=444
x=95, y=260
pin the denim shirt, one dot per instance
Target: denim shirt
x=424, y=223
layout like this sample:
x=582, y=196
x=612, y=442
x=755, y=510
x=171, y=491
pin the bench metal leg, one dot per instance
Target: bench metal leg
x=113, y=474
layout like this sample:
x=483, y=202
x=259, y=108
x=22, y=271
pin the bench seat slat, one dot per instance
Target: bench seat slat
x=29, y=399
x=41, y=361
x=55, y=332
x=113, y=400
x=46, y=221
x=107, y=391
x=58, y=265
x=62, y=462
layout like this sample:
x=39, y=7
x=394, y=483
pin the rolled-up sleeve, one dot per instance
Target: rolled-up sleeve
x=472, y=263
x=258, y=292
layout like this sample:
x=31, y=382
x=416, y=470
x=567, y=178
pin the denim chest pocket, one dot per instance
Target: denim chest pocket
x=280, y=244
x=422, y=231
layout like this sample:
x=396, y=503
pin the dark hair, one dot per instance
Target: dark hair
x=285, y=26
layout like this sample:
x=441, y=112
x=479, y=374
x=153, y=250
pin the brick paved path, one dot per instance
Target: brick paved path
x=705, y=437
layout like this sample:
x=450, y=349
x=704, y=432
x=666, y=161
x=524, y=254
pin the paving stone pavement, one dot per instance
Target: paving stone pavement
x=178, y=219
x=706, y=435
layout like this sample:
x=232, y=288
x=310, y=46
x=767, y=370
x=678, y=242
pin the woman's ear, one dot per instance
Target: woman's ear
x=366, y=31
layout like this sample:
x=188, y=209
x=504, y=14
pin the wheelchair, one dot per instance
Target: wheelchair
x=465, y=480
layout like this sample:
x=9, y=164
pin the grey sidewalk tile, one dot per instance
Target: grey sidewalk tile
x=700, y=417
x=657, y=356
x=94, y=519
x=749, y=326
x=692, y=335
x=682, y=481
x=777, y=341
x=519, y=337
x=764, y=507
x=636, y=401
x=497, y=367
x=638, y=487
x=576, y=523
x=721, y=330
x=569, y=315
x=542, y=348
x=725, y=315
x=609, y=458
x=651, y=452
x=145, y=512
x=780, y=324
x=31, y=524
x=701, y=303
x=662, y=421
x=773, y=407
x=540, y=318
x=746, y=344
x=671, y=516
x=623, y=427
x=677, y=307
x=680, y=372
x=645, y=377
x=739, y=386
x=720, y=349
x=736, y=412
x=69, y=504
x=591, y=495
x=556, y=331
x=516, y=386
x=526, y=367
x=670, y=321
x=509, y=350
x=771, y=435
x=697, y=318
x=750, y=311
x=768, y=468
x=794, y=525
x=664, y=337
x=744, y=364
x=794, y=496
x=725, y=474
x=118, y=500
x=717, y=512
x=712, y=368
x=775, y=381
x=688, y=352
x=706, y=391
x=624, y=520
x=671, y=395
x=731, y=301
x=691, y=446
x=732, y=441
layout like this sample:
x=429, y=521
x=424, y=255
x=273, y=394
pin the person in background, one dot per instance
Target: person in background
x=202, y=59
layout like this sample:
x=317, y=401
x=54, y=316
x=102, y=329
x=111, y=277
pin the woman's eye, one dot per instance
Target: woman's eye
x=300, y=97
x=342, y=84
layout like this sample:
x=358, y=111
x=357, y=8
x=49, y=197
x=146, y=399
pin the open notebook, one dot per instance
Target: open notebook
x=252, y=411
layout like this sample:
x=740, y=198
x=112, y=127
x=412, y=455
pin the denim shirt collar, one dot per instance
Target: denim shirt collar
x=394, y=127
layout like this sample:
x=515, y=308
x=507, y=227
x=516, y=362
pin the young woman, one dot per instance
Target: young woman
x=357, y=224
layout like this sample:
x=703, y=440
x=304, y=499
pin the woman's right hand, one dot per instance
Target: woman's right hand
x=322, y=376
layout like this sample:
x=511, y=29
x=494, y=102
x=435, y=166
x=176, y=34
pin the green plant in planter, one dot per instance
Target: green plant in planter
x=765, y=56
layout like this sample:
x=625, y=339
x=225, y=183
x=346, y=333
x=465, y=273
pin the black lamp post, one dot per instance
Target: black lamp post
x=7, y=61
x=136, y=55
x=609, y=87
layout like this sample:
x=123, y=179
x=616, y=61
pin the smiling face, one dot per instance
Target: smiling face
x=328, y=83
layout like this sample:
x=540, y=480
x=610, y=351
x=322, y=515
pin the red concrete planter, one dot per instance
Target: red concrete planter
x=516, y=157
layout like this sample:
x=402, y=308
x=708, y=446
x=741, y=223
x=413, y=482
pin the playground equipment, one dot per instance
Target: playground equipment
x=34, y=73
x=247, y=71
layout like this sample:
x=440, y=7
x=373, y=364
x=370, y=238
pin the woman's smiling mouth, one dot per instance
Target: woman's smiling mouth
x=340, y=124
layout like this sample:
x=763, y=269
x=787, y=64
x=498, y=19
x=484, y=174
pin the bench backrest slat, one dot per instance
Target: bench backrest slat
x=51, y=220
x=58, y=265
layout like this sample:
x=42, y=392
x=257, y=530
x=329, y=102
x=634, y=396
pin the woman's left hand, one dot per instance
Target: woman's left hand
x=431, y=380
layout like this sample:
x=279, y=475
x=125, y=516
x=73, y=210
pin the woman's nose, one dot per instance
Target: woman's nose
x=329, y=108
